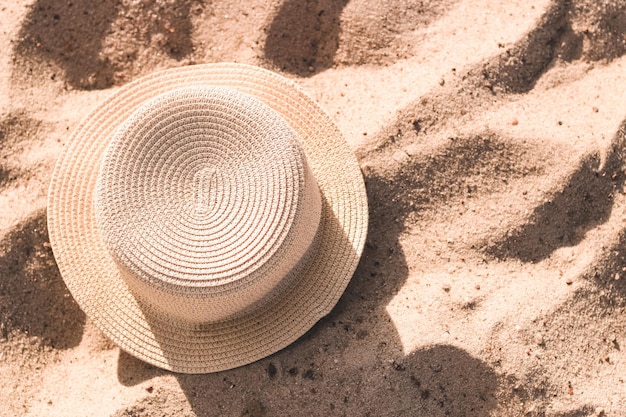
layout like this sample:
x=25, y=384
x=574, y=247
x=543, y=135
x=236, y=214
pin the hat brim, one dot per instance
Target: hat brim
x=93, y=279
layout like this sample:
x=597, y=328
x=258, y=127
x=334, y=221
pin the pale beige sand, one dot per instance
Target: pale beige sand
x=491, y=136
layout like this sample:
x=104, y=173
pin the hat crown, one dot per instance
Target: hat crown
x=206, y=203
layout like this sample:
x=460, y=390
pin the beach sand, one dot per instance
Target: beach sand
x=491, y=136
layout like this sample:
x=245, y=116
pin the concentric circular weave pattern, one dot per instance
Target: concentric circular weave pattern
x=171, y=341
x=205, y=202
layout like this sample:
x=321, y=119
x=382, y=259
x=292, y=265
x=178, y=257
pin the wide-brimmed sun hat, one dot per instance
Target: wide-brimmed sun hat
x=206, y=217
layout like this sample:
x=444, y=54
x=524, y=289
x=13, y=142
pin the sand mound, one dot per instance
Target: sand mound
x=491, y=136
x=95, y=46
x=15, y=130
x=310, y=36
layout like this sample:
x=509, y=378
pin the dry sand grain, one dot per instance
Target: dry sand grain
x=491, y=135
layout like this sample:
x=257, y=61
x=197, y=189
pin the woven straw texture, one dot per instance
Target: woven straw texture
x=209, y=238
x=205, y=201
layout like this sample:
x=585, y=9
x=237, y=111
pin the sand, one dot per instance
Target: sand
x=491, y=136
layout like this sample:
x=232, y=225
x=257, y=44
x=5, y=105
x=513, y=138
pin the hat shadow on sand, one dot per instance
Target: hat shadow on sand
x=351, y=361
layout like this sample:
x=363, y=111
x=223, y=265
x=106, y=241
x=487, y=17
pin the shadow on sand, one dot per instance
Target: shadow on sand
x=72, y=35
x=33, y=298
x=304, y=36
x=352, y=359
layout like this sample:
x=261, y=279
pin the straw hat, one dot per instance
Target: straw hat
x=205, y=217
